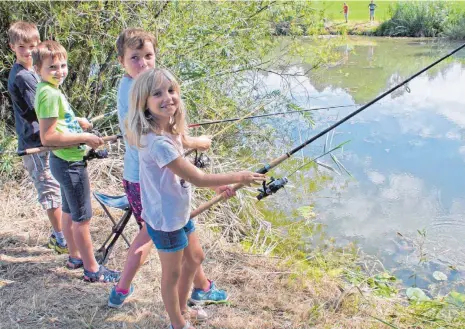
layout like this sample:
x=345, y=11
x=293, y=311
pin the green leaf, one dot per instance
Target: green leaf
x=416, y=294
x=306, y=212
x=456, y=298
x=439, y=276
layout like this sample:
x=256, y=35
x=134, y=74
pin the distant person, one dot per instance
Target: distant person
x=372, y=7
x=345, y=10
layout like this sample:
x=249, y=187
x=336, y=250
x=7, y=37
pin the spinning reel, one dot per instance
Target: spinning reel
x=201, y=160
x=93, y=154
x=273, y=186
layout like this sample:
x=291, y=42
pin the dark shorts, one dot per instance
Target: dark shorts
x=132, y=191
x=75, y=187
x=172, y=241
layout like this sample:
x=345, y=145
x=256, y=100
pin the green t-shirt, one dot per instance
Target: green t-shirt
x=51, y=103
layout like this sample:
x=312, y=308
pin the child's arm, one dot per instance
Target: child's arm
x=186, y=170
x=224, y=188
x=201, y=143
x=27, y=88
x=50, y=137
x=84, y=123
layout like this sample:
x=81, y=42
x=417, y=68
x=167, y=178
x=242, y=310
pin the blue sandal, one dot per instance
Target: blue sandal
x=102, y=275
x=74, y=263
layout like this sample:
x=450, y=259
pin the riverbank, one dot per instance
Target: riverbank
x=351, y=28
x=36, y=291
x=272, y=283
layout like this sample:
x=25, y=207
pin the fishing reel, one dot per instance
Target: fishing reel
x=93, y=154
x=273, y=186
x=201, y=160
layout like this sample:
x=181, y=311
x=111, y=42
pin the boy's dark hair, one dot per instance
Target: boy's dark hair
x=48, y=49
x=23, y=31
x=134, y=38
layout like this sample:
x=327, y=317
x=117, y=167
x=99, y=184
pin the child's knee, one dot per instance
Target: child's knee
x=81, y=224
x=171, y=276
x=197, y=258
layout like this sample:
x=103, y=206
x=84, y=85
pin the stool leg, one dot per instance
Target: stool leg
x=114, y=228
x=104, y=252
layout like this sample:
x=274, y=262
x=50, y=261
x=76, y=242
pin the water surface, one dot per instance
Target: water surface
x=406, y=154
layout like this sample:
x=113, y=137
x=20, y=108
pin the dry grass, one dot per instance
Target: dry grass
x=36, y=291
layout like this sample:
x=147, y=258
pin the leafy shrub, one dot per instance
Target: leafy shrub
x=416, y=19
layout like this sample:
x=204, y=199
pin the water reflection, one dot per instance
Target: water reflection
x=406, y=156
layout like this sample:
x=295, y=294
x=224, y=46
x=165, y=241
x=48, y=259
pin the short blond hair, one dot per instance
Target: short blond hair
x=48, y=49
x=134, y=38
x=138, y=123
x=23, y=31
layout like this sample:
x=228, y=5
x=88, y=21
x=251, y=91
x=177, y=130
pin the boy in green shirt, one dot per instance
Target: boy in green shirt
x=60, y=127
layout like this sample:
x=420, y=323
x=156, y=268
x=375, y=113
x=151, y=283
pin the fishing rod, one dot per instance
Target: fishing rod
x=195, y=125
x=274, y=185
x=202, y=160
x=102, y=116
x=262, y=106
x=275, y=162
x=35, y=150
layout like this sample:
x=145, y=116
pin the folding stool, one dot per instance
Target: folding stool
x=118, y=202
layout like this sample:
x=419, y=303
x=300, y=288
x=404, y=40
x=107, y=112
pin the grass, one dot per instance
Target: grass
x=358, y=10
x=272, y=283
x=274, y=279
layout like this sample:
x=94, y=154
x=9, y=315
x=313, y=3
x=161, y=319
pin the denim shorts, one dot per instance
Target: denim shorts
x=172, y=241
x=75, y=187
x=48, y=189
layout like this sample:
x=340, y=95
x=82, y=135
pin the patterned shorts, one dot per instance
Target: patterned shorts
x=132, y=191
x=48, y=189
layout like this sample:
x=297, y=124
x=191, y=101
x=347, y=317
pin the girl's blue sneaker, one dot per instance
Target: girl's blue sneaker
x=212, y=296
x=116, y=299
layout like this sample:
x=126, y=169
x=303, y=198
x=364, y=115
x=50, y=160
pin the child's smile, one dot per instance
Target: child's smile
x=23, y=51
x=54, y=70
x=164, y=102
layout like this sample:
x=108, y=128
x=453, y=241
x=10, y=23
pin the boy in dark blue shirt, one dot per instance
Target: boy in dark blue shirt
x=22, y=81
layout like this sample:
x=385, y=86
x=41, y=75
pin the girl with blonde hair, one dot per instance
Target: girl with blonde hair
x=155, y=125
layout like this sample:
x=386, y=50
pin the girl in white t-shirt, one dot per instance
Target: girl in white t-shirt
x=155, y=124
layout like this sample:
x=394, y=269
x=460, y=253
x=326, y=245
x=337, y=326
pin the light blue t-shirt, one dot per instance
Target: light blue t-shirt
x=166, y=198
x=131, y=157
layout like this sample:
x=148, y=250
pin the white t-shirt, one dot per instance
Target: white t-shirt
x=165, y=197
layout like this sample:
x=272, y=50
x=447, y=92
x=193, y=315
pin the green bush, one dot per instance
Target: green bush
x=416, y=19
x=455, y=29
x=210, y=46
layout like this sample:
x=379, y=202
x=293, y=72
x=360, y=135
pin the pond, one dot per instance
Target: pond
x=404, y=200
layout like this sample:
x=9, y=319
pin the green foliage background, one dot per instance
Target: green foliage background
x=215, y=48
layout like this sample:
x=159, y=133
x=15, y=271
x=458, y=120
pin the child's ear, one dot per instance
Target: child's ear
x=121, y=60
x=12, y=47
x=36, y=68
